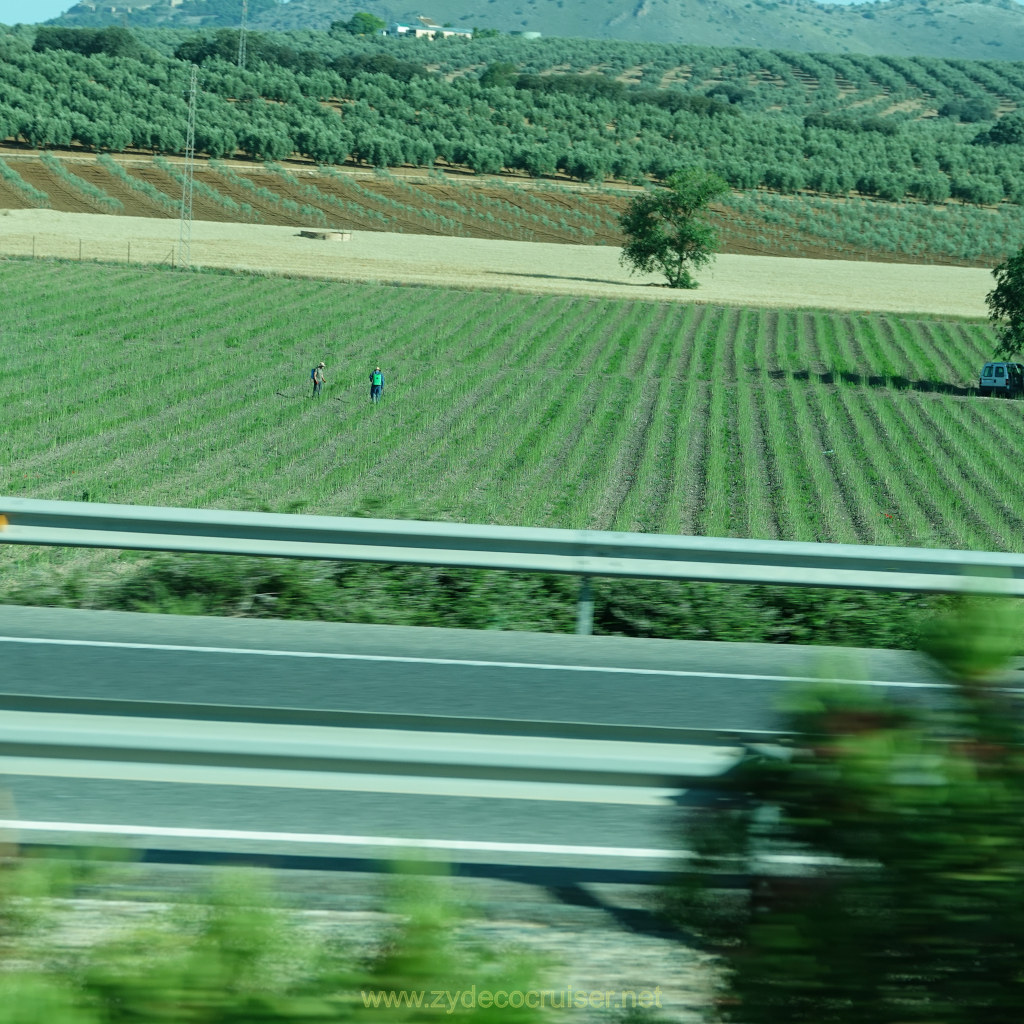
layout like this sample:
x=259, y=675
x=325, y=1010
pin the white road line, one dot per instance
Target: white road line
x=386, y=842
x=391, y=842
x=466, y=663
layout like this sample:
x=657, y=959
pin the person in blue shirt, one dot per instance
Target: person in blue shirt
x=376, y=384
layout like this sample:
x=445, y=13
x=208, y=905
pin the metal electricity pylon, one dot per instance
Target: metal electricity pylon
x=188, y=175
x=241, y=33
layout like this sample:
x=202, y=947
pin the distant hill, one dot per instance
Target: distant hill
x=980, y=29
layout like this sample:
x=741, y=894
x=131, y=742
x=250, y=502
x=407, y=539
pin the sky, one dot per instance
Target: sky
x=28, y=12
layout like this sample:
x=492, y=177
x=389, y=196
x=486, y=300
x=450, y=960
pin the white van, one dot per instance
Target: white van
x=1001, y=379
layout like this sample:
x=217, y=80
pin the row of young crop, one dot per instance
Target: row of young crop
x=582, y=209
x=94, y=195
x=486, y=213
x=368, y=205
x=493, y=216
x=308, y=213
x=33, y=196
x=243, y=211
x=145, y=188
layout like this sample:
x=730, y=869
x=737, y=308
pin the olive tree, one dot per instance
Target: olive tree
x=1006, y=305
x=360, y=24
x=664, y=231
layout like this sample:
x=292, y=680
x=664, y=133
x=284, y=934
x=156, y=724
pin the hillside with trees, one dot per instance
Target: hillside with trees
x=896, y=129
x=982, y=29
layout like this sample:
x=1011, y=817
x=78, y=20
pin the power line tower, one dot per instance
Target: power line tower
x=188, y=177
x=241, y=34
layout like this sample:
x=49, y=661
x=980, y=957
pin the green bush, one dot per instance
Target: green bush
x=232, y=957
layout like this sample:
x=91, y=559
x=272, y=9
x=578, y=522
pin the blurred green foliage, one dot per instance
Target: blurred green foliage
x=400, y=595
x=234, y=958
x=420, y=955
x=913, y=909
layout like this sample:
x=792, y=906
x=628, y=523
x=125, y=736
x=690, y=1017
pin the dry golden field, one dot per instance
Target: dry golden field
x=531, y=267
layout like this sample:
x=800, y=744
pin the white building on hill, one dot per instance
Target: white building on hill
x=427, y=29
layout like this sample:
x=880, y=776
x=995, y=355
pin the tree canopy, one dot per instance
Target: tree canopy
x=360, y=24
x=663, y=230
x=1006, y=305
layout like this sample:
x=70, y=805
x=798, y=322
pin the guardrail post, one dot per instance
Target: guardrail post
x=585, y=608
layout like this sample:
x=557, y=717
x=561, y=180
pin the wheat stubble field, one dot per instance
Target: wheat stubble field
x=530, y=267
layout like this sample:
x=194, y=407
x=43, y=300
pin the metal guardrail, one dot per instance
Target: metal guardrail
x=312, y=750
x=585, y=553
x=421, y=724
x=333, y=756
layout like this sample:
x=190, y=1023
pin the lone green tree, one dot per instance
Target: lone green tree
x=664, y=231
x=361, y=23
x=1006, y=305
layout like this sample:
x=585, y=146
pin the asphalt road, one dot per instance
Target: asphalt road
x=507, y=679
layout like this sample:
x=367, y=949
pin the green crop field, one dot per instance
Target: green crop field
x=155, y=387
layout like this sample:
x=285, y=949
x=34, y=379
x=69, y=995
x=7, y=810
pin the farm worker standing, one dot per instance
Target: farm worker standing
x=317, y=376
x=376, y=384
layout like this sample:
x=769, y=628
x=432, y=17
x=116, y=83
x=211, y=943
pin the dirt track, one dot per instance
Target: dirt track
x=516, y=266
